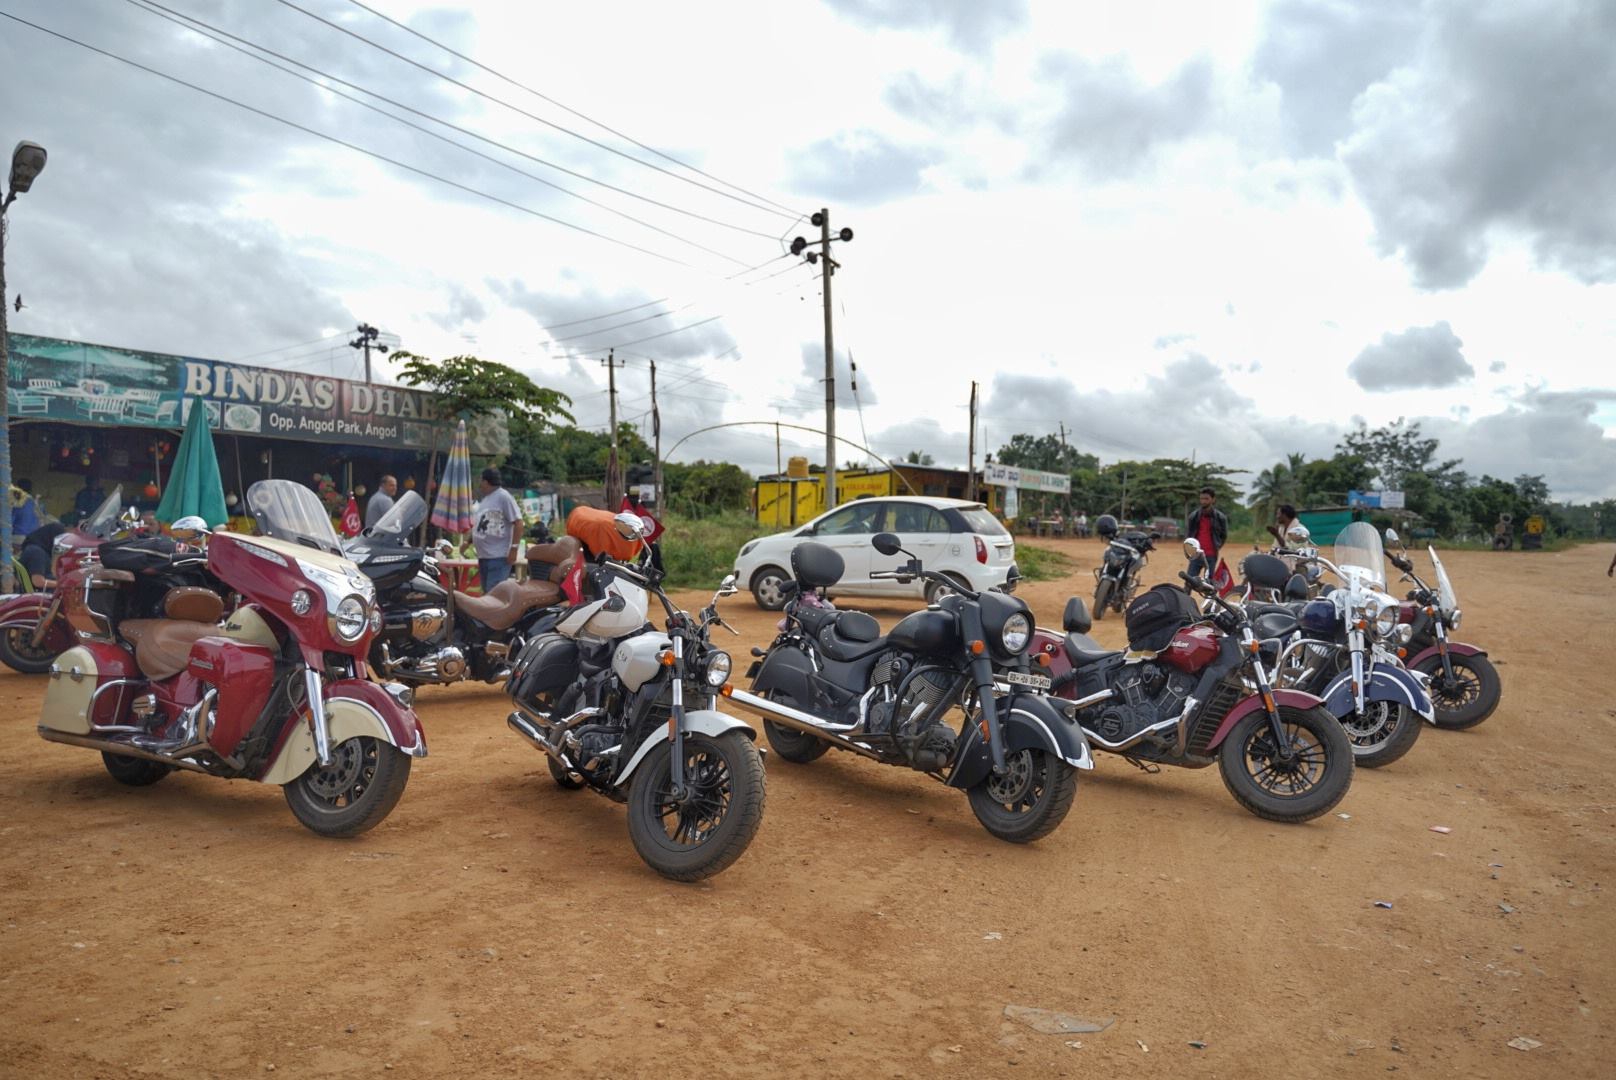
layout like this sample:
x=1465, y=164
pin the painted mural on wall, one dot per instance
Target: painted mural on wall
x=54, y=379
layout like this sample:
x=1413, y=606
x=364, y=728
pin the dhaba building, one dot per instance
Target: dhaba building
x=76, y=408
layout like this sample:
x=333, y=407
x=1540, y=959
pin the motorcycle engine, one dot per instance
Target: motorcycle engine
x=1146, y=695
x=593, y=747
x=913, y=721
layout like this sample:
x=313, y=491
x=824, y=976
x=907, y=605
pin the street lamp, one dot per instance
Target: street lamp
x=27, y=161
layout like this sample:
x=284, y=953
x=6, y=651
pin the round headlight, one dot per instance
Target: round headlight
x=718, y=668
x=1453, y=619
x=1017, y=632
x=1384, y=617
x=1405, y=633
x=302, y=602
x=375, y=620
x=350, y=620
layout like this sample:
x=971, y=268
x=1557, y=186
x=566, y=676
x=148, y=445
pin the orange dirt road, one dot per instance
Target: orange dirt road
x=496, y=925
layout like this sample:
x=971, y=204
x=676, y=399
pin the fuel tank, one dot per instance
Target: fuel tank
x=1193, y=648
x=926, y=631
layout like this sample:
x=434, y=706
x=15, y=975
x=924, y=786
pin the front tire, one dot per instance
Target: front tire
x=1102, y=597
x=355, y=792
x=1471, y=698
x=768, y=588
x=134, y=771
x=1026, y=803
x=1382, y=733
x=709, y=829
x=1302, y=790
x=19, y=655
x=797, y=747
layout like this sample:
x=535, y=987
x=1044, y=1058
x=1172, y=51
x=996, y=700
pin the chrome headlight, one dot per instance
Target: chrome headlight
x=1017, y=632
x=718, y=668
x=350, y=620
x=1453, y=619
x=1382, y=617
x=1405, y=633
x=302, y=602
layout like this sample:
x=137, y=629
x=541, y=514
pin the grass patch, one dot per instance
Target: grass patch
x=698, y=553
x=1042, y=564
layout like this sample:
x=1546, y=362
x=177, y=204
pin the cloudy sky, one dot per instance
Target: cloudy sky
x=1222, y=229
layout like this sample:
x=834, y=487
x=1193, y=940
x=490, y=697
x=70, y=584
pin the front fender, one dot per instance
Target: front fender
x=1457, y=648
x=1029, y=722
x=709, y=722
x=24, y=610
x=353, y=707
x=1295, y=699
x=1386, y=683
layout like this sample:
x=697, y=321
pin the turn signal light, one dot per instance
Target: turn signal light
x=1402, y=654
x=1043, y=659
x=978, y=647
x=726, y=690
x=665, y=658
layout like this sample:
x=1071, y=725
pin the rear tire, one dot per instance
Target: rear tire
x=936, y=590
x=134, y=771
x=1384, y=732
x=708, y=833
x=18, y=655
x=797, y=747
x=1309, y=789
x=766, y=588
x=361, y=786
x=1028, y=802
x=1473, y=700
x=1102, y=597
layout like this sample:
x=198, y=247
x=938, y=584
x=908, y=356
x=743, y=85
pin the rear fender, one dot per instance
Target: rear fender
x=1456, y=648
x=1386, y=683
x=788, y=670
x=353, y=707
x=708, y=722
x=1294, y=699
x=1029, y=722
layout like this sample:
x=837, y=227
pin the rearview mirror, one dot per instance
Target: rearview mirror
x=629, y=526
x=1391, y=537
x=1192, y=548
x=727, y=586
x=886, y=543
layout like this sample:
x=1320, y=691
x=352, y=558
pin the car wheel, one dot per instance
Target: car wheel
x=936, y=590
x=768, y=588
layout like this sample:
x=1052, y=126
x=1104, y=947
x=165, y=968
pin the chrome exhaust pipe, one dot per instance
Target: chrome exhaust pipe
x=796, y=720
x=108, y=746
x=525, y=728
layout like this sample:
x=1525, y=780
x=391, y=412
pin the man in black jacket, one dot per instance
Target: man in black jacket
x=1209, y=526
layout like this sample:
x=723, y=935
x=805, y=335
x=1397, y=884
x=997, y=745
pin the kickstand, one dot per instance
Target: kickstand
x=1142, y=766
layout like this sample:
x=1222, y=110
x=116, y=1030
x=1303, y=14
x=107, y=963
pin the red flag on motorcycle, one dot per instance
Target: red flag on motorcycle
x=1223, y=579
x=653, y=527
x=351, y=521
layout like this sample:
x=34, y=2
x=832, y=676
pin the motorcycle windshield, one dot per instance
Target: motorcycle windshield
x=401, y=519
x=104, y=518
x=289, y=511
x=1444, y=587
x=1358, y=548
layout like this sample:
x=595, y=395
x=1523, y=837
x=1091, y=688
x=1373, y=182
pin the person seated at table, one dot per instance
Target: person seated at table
x=36, y=554
x=90, y=496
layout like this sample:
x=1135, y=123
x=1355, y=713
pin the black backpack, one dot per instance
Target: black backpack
x=1154, y=617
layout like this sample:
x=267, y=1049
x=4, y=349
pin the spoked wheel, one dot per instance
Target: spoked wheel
x=1102, y=597
x=563, y=776
x=18, y=652
x=355, y=792
x=1469, y=697
x=1382, y=733
x=797, y=747
x=1309, y=784
x=696, y=832
x=1029, y=800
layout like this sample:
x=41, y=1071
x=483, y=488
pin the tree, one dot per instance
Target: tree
x=1046, y=453
x=1395, y=451
x=918, y=457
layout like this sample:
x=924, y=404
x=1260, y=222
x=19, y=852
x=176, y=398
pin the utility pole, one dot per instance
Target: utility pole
x=656, y=433
x=970, y=453
x=367, y=341
x=827, y=268
x=26, y=162
x=614, y=467
x=1065, y=469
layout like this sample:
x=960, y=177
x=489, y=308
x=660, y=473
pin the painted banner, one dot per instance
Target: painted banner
x=1010, y=476
x=74, y=382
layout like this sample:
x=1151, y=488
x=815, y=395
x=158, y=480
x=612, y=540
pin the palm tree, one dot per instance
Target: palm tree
x=1276, y=485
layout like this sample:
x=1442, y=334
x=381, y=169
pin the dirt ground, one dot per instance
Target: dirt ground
x=496, y=925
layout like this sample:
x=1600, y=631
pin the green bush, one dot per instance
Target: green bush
x=1042, y=564
x=698, y=553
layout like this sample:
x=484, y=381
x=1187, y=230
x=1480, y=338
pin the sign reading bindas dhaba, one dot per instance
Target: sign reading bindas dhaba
x=73, y=381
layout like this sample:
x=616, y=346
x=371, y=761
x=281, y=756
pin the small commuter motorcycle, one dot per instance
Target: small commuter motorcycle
x=604, y=697
x=1191, y=691
x=1116, y=579
x=33, y=629
x=1465, y=687
x=830, y=679
x=274, y=693
x=431, y=634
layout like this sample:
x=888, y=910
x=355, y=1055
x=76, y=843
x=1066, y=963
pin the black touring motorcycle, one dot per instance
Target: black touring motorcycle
x=830, y=679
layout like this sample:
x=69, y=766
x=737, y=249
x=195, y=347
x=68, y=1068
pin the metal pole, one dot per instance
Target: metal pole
x=830, y=363
x=7, y=578
x=614, y=494
x=656, y=433
x=970, y=454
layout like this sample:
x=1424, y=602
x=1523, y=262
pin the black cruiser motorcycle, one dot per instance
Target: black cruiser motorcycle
x=830, y=679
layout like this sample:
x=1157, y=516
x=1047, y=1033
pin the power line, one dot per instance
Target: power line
x=619, y=326
x=567, y=108
x=295, y=345
x=217, y=35
x=669, y=333
x=348, y=145
x=604, y=315
x=531, y=116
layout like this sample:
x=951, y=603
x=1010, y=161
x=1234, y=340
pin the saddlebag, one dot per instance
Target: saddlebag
x=244, y=675
x=1156, y=615
x=74, y=697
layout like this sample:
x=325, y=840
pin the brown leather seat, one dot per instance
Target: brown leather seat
x=163, y=646
x=550, y=562
x=193, y=604
x=509, y=601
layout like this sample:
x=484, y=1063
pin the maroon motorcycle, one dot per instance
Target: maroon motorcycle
x=275, y=692
x=33, y=628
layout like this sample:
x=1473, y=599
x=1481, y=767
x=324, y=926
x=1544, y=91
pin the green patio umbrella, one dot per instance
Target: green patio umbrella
x=194, y=486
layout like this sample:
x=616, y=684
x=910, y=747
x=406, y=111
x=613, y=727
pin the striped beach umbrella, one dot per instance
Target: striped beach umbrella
x=452, y=510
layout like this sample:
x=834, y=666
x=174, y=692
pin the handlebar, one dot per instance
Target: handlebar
x=1204, y=587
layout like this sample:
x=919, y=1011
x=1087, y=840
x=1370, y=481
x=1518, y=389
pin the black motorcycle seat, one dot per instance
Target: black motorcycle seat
x=1083, y=650
x=1276, y=623
x=843, y=649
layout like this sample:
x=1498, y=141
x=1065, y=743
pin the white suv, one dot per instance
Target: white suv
x=960, y=539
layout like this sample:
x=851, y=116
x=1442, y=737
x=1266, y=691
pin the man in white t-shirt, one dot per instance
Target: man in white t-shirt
x=496, y=531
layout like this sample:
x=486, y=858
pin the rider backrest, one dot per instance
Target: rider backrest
x=1265, y=571
x=550, y=562
x=193, y=603
x=815, y=565
x=1075, y=619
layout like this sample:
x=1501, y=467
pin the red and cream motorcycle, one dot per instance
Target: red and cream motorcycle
x=275, y=692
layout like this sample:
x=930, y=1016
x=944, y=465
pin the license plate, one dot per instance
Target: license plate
x=1017, y=678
